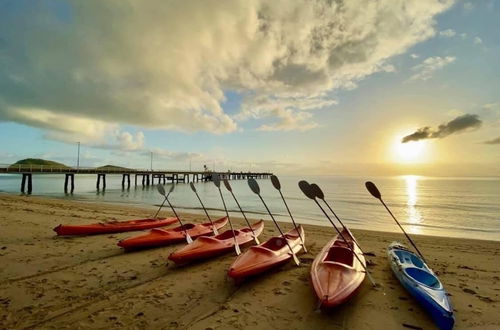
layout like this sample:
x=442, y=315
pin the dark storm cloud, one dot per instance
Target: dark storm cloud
x=494, y=141
x=460, y=124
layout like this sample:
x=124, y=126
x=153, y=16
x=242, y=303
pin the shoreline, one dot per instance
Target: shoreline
x=85, y=282
x=193, y=211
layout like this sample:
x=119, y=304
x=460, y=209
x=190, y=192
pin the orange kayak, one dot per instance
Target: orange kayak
x=161, y=237
x=263, y=257
x=336, y=273
x=207, y=246
x=113, y=227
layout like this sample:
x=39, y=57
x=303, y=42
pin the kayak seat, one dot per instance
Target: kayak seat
x=274, y=243
x=187, y=226
x=340, y=255
x=227, y=234
x=423, y=277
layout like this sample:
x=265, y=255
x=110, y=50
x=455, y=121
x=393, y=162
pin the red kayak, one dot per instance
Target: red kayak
x=161, y=237
x=113, y=226
x=208, y=246
x=270, y=254
x=336, y=273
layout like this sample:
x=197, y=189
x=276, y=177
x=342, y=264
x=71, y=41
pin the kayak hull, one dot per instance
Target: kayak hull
x=336, y=273
x=421, y=282
x=162, y=237
x=112, y=227
x=208, y=247
x=266, y=256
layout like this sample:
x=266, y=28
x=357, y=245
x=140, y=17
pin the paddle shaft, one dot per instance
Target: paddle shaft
x=244, y=216
x=237, y=247
x=204, y=209
x=348, y=245
x=340, y=221
x=279, y=229
x=177, y=216
x=293, y=220
x=402, y=229
x=156, y=214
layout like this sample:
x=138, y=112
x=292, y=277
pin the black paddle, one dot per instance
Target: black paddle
x=276, y=183
x=254, y=186
x=311, y=194
x=216, y=180
x=228, y=187
x=319, y=194
x=193, y=188
x=372, y=188
x=161, y=190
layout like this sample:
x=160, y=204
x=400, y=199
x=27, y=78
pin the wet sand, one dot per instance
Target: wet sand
x=53, y=282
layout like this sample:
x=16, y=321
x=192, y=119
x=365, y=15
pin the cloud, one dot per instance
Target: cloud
x=468, y=6
x=426, y=69
x=414, y=56
x=166, y=64
x=289, y=113
x=494, y=141
x=478, y=41
x=447, y=33
x=460, y=124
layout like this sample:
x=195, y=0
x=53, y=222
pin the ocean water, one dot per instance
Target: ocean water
x=443, y=206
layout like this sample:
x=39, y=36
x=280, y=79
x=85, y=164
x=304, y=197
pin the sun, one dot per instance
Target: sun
x=410, y=152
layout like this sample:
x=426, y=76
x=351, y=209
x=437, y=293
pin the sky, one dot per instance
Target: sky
x=385, y=87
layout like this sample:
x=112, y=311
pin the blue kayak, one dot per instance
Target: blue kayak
x=421, y=282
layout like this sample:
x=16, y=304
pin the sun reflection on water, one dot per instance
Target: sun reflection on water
x=414, y=216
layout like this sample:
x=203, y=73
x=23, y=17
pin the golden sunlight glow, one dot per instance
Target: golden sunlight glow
x=414, y=216
x=410, y=152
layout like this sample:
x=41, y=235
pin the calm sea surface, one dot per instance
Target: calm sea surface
x=456, y=207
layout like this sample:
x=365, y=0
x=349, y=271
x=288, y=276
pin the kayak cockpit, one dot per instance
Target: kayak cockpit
x=274, y=244
x=423, y=277
x=187, y=226
x=340, y=255
x=406, y=257
x=227, y=234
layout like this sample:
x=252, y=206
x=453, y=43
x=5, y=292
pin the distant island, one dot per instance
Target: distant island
x=50, y=163
x=113, y=168
x=39, y=162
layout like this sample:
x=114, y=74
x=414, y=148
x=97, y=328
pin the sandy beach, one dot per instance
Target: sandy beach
x=52, y=282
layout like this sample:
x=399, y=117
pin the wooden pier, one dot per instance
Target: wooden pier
x=146, y=177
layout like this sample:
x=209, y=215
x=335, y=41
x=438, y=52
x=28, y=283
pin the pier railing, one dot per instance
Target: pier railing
x=147, y=176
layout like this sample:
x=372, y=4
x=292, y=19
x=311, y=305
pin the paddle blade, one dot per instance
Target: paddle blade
x=316, y=190
x=297, y=262
x=228, y=186
x=216, y=180
x=305, y=187
x=160, y=189
x=171, y=188
x=237, y=249
x=254, y=186
x=193, y=188
x=189, y=240
x=256, y=240
x=216, y=232
x=372, y=188
x=276, y=182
